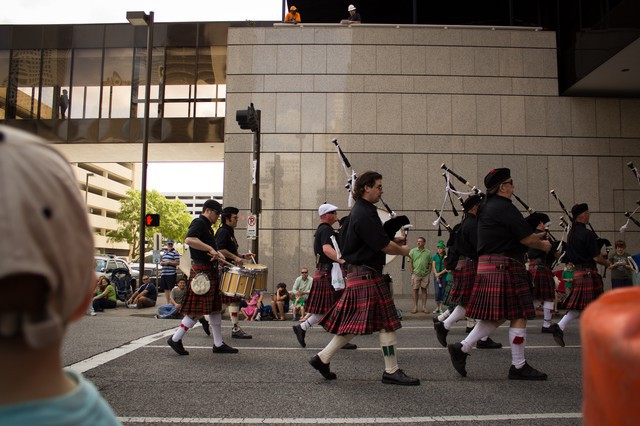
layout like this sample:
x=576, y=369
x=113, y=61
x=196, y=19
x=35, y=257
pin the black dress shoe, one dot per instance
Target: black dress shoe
x=441, y=333
x=300, y=334
x=468, y=329
x=399, y=378
x=205, y=325
x=435, y=319
x=224, y=349
x=558, y=334
x=527, y=372
x=349, y=346
x=546, y=330
x=177, y=346
x=240, y=334
x=458, y=358
x=323, y=368
x=488, y=344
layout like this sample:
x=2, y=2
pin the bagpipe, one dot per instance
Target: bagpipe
x=557, y=245
x=394, y=223
x=629, y=216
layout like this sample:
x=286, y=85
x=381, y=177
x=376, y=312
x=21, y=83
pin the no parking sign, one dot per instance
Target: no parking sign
x=252, y=227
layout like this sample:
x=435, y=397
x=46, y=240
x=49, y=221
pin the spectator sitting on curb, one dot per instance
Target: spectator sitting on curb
x=172, y=309
x=145, y=296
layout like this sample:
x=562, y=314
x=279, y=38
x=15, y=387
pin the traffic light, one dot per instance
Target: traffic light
x=248, y=118
x=152, y=219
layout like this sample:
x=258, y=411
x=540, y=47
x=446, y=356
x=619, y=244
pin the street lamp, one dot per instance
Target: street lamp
x=142, y=19
x=86, y=187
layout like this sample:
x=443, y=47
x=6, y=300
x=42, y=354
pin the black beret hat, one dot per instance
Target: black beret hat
x=578, y=209
x=496, y=176
x=230, y=210
x=471, y=201
x=212, y=205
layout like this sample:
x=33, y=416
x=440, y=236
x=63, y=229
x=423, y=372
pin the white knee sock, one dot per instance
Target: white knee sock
x=233, y=315
x=334, y=346
x=186, y=323
x=547, y=309
x=388, y=343
x=456, y=315
x=215, y=319
x=569, y=316
x=517, y=337
x=443, y=316
x=310, y=322
x=483, y=328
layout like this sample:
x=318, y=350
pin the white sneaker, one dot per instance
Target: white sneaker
x=132, y=306
x=93, y=314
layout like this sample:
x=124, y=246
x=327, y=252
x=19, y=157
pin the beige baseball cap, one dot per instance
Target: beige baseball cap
x=45, y=231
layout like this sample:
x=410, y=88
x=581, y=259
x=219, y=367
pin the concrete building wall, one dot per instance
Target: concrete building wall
x=402, y=100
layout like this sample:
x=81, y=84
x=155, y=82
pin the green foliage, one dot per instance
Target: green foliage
x=174, y=219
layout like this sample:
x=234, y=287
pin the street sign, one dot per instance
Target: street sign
x=252, y=227
x=156, y=256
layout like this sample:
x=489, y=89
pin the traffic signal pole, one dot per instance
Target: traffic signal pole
x=256, y=208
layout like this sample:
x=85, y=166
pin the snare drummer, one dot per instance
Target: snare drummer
x=203, y=256
x=227, y=245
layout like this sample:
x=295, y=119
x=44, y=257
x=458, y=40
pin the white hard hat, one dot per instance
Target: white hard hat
x=350, y=8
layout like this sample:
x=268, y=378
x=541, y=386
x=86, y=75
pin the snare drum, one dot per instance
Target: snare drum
x=260, y=272
x=237, y=282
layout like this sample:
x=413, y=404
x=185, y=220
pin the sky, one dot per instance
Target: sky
x=163, y=177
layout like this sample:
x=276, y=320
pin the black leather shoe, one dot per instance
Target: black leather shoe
x=488, y=344
x=441, y=333
x=322, y=368
x=399, y=378
x=435, y=320
x=468, y=329
x=300, y=334
x=177, y=346
x=546, y=330
x=527, y=372
x=205, y=325
x=458, y=358
x=558, y=334
x=224, y=349
x=349, y=346
x=240, y=334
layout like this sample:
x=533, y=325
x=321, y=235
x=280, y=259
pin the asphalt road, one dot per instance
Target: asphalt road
x=124, y=352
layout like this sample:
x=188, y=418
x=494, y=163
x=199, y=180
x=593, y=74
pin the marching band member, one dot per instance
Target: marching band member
x=227, y=245
x=583, y=251
x=501, y=291
x=203, y=254
x=466, y=242
x=366, y=305
x=322, y=295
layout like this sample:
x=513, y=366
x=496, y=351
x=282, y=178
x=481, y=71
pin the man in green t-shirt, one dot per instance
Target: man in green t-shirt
x=420, y=268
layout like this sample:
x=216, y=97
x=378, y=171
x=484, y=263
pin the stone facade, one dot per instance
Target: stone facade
x=402, y=100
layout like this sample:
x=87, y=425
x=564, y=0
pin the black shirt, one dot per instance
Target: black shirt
x=322, y=237
x=226, y=240
x=365, y=237
x=535, y=254
x=582, y=245
x=466, y=242
x=501, y=227
x=201, y=228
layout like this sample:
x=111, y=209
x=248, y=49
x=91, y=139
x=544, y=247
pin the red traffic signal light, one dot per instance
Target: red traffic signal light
x=152, y=220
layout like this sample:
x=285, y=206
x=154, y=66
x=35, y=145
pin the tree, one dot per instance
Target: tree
x=174, y=219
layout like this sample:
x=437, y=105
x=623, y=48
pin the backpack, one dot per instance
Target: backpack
x=266, y=313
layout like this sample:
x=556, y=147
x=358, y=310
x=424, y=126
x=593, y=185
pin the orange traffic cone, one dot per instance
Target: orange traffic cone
x=610, y=332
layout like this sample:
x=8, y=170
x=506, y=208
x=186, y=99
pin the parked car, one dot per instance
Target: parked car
x=106, y=264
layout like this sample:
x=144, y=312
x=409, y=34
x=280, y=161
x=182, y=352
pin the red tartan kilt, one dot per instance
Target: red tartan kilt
x=446, y=294
x=544, y=287
x=587, y=287
x=366, y=306
x=501, y=294
x=464, y=277
x=194, y=305
x=322, y=295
